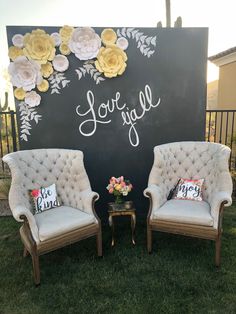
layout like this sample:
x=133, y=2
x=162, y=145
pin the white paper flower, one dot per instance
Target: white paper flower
x=60, y=63
x=85, y=43
x=25, y=73
x=32, y=99
x=57, y=39
x=18, y=40
x=122, y=43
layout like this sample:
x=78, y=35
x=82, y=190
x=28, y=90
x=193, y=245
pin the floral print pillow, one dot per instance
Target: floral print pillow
x=189, y=189
x=44, y=198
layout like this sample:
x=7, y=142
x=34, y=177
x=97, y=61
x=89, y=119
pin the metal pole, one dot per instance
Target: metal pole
x=13, y=129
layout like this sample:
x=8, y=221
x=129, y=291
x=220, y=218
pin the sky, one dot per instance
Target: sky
x=217, y=15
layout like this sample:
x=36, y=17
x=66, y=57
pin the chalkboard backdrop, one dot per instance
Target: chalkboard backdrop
x=116, y=122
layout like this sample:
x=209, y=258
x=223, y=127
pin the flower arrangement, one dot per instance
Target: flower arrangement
x=34, y=60
x=119, y=187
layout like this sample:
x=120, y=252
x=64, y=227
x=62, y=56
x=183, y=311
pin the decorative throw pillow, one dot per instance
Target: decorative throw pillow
x=45, y=198
x=189, y=189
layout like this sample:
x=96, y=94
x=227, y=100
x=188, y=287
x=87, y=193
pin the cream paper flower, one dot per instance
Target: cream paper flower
x=32, y=99
x=85, y=43
x=111, y=61
x=25, y=73
x=57, y=38
x=60, y=63
x=122, y=43
x=108, y=36
x=18, y=40
x=39, y=46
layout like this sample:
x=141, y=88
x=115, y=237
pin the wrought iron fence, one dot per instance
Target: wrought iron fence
x=220, y=128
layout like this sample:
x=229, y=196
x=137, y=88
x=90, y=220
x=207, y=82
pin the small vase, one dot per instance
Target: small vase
x=119, y=199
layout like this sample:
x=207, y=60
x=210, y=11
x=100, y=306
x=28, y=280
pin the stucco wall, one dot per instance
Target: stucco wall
x=227, y=86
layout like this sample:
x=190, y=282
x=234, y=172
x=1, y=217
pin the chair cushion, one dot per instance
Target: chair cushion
x=185, y=211
x=57, y=221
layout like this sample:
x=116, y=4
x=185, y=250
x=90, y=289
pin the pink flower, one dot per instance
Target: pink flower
x=111, y=190
x=35, y=193
x=121, y=178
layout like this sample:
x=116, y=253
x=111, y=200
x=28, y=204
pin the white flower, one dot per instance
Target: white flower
x=25, y=73
x=32, y=99
x=85, y=43
x=122, y=43
x=18, y=40
x=60, y=63
x=57, y=39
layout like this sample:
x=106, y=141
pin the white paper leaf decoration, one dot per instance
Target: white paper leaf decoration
x=153, y=41
x=118, y=33
x=123, y=31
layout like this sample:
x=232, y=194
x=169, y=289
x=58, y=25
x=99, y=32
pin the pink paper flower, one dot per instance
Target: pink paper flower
x=35, y=193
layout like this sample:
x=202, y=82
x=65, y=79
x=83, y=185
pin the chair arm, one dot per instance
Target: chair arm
x=20, y=213
x=155, y=194
x=88, y=198
x=219, y=198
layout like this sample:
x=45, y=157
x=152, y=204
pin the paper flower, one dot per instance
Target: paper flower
x=44, y=86
x=14, y=52
x=60, y=63
x=64, y=49
x=19, y=93
x=39, y=46
x=65, y=33
x=18, y=40
x=57, y=38
x=25, y=73
x=85, y=43
x=32, y=99
x=35, y=193
x=122, y=43
x=108, y=36
x=111, y=61
x=46, y=69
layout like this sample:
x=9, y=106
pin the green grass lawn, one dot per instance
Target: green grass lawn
x=178, y=277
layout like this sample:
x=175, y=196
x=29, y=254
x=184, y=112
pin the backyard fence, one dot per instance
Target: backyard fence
x=220, y=128
x=8, y=138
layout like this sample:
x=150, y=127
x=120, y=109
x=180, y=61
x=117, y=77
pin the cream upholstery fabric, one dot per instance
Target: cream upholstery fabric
x=185, y=211
x=56, y=221
x=32, y=169
x=191, y=160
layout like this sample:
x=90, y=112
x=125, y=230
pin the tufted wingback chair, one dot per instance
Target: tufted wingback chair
x=189, y=160
x=75, y=219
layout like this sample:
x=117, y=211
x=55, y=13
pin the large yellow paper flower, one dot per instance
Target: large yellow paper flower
x=14, y=52
x=46, y=69
x=44, y=86
x=64, y=49
x=39, y=46
x=65, y=33
x=108, y=36
x=111, y=61
x=19, y=93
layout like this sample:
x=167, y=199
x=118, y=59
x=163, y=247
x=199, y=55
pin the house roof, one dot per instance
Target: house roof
x=224, y=57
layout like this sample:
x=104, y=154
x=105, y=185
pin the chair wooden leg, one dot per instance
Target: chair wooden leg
x=25, y=252
x=218, y=251
x=149, y=239
x=99, y=242
x=36, y=270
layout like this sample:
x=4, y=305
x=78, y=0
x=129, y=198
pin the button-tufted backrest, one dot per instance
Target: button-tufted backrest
x=190, y=160
x=32, y=169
